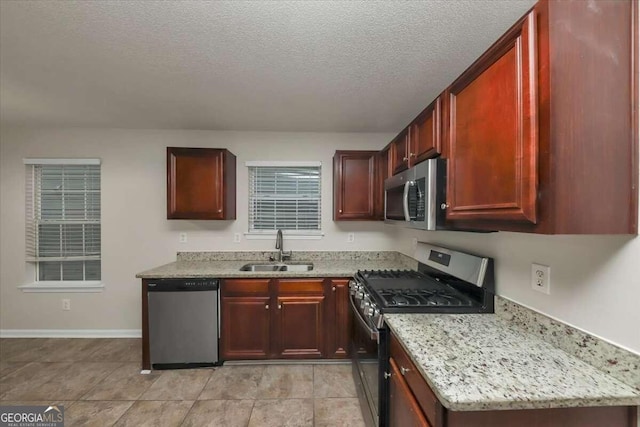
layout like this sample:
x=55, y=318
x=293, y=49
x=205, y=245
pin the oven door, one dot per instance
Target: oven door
x=369, y=355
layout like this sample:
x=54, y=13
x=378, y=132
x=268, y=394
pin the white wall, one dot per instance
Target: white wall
x=595, y=280
x=136, y=235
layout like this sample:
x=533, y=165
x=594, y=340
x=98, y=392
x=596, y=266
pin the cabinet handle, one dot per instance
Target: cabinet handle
x=387, y=375
x=404, y=370
x=266, y=307
x=333, y=289
x=444, y=206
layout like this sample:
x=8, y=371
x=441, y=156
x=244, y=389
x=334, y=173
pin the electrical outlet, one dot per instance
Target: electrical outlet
x=351, y=237
x=66, y=304
x=182, y=238
x=541, y=278
x=237, y=237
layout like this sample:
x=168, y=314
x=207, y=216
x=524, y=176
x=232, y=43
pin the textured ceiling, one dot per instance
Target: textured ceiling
x=344, y=66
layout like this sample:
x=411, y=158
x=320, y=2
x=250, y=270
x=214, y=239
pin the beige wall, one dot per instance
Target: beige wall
x=135, y=232
x=595, y=279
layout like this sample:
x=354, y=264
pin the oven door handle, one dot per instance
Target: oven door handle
x=373, y=333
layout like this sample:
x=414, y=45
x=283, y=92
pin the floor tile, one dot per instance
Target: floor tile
x=233, y=382
x=338, y=412
x=21, y=383
x=96, y=413
x=74, y=382
x=219, y=413
x=282, y=412
x=333, y=381
x=124, y=383
x=69, y=349
x=286, y=381
x=180, y=384
x=118, y=350
x=155, y=414
x=24, y=349
x=8, y=367
x=65, y=403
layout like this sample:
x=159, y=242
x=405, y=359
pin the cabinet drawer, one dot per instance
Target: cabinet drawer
x=245, y=287
x=300, y=286
x=423, y=393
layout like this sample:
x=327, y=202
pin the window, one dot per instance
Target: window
x=63, y=219
x=285, y=196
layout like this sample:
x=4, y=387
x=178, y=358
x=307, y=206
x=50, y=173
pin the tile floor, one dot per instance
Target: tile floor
x=99, y=383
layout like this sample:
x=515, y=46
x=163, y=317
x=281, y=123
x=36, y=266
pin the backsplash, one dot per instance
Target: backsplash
x=618, y=362
x=297, y=256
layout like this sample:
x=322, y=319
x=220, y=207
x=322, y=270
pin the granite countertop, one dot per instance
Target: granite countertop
x=484, y=362
x=325, y=264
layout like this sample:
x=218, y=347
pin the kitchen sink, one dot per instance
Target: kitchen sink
x=277, y=267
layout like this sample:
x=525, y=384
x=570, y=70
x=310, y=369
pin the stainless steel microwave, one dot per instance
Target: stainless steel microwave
x=415, y=198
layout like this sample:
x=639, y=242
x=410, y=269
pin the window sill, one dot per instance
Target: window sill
x=90, y=286
x=271, y=235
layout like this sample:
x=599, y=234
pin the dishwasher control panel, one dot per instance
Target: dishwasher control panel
x=172, y=285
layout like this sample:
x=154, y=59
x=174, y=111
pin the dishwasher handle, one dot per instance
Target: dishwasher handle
x=183, y=285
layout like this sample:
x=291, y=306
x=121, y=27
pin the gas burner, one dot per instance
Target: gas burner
x=390, y=274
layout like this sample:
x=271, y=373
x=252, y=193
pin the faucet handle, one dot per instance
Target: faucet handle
x=286, y=254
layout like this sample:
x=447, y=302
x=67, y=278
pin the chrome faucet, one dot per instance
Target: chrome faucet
x=281, y=253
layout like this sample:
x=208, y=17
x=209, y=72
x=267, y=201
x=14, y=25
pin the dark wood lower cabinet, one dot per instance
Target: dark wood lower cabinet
x=248, y=336
x=403, y=407
x=301, y=318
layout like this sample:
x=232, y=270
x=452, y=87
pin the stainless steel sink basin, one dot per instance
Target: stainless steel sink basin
x=277, y=267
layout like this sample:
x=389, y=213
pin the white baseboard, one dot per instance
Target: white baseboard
x=70, y=333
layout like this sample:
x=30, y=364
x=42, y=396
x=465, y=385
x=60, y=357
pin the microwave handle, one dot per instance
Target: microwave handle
x=405, y=201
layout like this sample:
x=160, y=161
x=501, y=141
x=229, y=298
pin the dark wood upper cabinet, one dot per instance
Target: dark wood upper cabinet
x=535, y=141
x=201, y=183
x=419, y=141
x=425, y=134
x=493, y=132
x=399, y=152
x=355, y=189
x=383, y=172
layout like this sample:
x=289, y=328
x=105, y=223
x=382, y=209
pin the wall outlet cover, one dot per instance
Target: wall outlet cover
x=237, y=237
x=351, y=237
x=541, y=278
x=182, y=238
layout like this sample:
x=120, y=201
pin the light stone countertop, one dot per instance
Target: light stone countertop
x=484, y=362
x=325, y=264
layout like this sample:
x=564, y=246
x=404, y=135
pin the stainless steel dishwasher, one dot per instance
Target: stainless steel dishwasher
x=183, y=323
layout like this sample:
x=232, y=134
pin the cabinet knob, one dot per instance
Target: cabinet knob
x=387, y=375
x=219, y=210
x=333, y=288
x=280, y=306
x=444, y=206
x=266, y=307
x=405, y=159
x=404, y=370
x=412, y=155
x=340, y=210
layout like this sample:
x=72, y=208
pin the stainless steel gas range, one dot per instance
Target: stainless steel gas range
x=447, y=281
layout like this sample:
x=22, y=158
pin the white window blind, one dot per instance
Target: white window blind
x=63, y=219
x=284, y=197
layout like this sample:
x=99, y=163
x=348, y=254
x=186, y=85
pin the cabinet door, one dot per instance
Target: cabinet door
x=493, y=132
x=425, y=134
x=354, y=185
x=403, y=408
x=382, y=173
x=245, y=328
x=299, y=319
x=338, y=324
x=400, y=152
x=200, y=183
